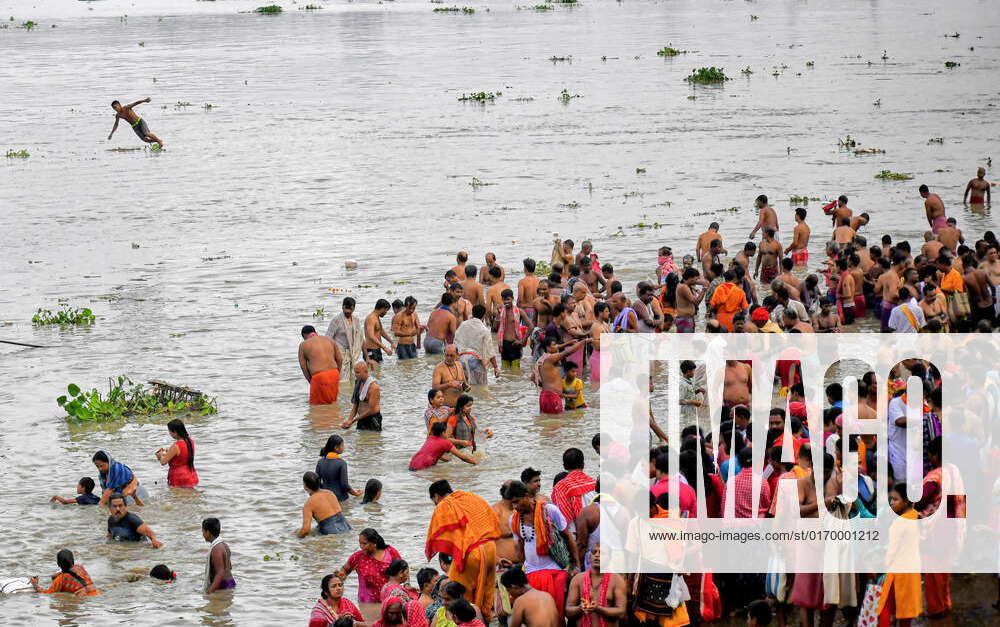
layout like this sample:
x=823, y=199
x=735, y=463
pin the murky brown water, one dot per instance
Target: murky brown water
x=336, y=135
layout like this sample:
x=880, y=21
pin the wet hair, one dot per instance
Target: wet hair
x=842, y=198
x=470, y=271
x=923, y=189
x=311, y=481
x=162, y=572
x=88, y=484
x=117, y=496
x=515, y=490
x=441, y=488
x=462, y=401
x=462, y=610
x=332, y=443
x=616, y=287
x=396, y=567
x=608, y=268
x=514, y=577
x=425, y=576
x=349, y=302
x=409, y=300
x=372, y=487
x=572, y=459
x=326, y=584
x=787, y=264
x=462, y=256
x=115, y=102
x=438, y=428
x=599, y=307
x=306, y=330
x=212, y=526
x=431, y=393
x=398, y=304
x=381, y=304
x=530, y=473
x=801, y=213
x=762, y=199
x=374, y=537
x=64, y=559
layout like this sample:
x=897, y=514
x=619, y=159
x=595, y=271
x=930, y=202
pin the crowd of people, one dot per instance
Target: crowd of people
x=531, y=558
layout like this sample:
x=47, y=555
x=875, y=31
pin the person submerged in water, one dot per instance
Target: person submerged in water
x=125, y=112
x=125, y=526
x=218, y=574
x=72, y=577
x=85, y=494
x=323, y=506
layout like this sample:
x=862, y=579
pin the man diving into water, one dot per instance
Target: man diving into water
x=138, y=124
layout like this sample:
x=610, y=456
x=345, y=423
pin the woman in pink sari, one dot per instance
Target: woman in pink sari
x=371, y=563
x=399, y=583
x=332, y=604
x=397, y=613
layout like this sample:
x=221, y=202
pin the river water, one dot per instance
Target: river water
x=337, y=134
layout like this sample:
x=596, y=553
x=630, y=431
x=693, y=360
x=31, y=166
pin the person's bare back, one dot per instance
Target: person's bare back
x=535, y=608
x=319, y=353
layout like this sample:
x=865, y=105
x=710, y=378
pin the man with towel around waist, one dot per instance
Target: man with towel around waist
x=321, y=360
x=466, y=527
x=475, y=347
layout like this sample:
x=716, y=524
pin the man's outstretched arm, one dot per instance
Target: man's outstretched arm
x=137, y=102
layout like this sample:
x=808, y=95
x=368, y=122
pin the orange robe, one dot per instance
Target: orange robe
x=324, y=387
x=728, y=300
x=901, y=594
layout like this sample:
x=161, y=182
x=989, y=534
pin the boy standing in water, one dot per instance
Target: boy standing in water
x=138, y=124
x=218, y=575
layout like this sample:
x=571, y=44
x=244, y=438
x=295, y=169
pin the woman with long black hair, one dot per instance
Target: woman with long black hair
x=72, y=577
x=180, y=457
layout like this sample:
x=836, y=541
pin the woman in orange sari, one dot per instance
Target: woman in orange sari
x=71, y=577
x=901, y=595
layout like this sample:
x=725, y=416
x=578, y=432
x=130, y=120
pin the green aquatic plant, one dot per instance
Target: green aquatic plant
x=207, y=106
x=640, y=170
x=482, y=96
x=182, y=104
x=543, y=7
x=466, y=10
x=869, y=151
x=951, y=64
x=29, y=25
x=707, y=75
x=271, y=9
x=798, y=200
x=746, y=71
x=810, y=64
x=669, y=51
x=888, y=175
x=64, y=316
x=311, y=7
x=847, y=142
x=18, y=154
x=542, y=268
x=126, y=398
x=142, y=44
x=647, y=225
x=565, y=96
x=320, y=313
x=476, y=183
x=129, y=149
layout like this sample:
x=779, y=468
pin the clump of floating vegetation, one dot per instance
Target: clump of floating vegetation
x=951, y=64
x=481, y=96
x=30, y=24
x=183, y=104
x=64, y=316
x=554, y=59
x=707, y=75
x=746, y=71
x=271, y=9
x=936, y=140
x=810, y=64
x=543, y=7
x=476, y=183
x=565, y=96
x=466, y=10
x=126, y=398
x=869, y=151
x=847, y=142
x=670, y=51
x=207, y=106
x=311, y=7
x=888, y=175
x=320, y=313
x=18, y=154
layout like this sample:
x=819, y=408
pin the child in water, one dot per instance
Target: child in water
x=85, y=494
x=573, y=388
x=373, y=491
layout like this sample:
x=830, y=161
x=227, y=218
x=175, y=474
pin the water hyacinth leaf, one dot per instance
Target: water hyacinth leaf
x=73, y=389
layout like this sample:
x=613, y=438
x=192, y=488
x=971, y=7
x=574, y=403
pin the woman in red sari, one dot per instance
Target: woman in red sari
x=72, y=577
x=180, y=456
x=332, y=604
x=371, y=563
x=399, y=582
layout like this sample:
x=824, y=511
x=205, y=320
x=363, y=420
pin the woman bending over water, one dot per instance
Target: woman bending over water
x=117, y=477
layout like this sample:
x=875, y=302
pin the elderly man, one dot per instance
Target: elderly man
x=348, y=332
x=475, y=347
x=321, y=360
x=449, y=376
x=366, y=406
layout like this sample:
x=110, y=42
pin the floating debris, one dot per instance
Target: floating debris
x=707, y=75
x=18, y=154
x=887, y=175
x=669, y=51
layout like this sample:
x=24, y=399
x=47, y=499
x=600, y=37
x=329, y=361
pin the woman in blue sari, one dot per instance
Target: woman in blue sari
x=117, y=477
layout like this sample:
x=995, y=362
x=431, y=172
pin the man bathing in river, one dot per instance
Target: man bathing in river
x=977, y=192
x=219, y=575
x=934, y=208
x=375, y=332
x=125, y=112
x=799, y=248
x=321, y=362
x=547, y=376
x=366, y=408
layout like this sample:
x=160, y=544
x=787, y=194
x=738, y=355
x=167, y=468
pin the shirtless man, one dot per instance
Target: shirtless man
x=991, y=265
x=648, y=321
x=506, y=544
x=768, y=217
x=887, y=286
x=321, y=361
x=977, y=192
x=798, y=250
x=935, y=305
x=449, y=376
x=744, y=256
x=710, y=258
x=583, y=305
x=705, y=240
x=845, y=293
x=736, y=384
x=586, y=249
x=527, y=288
x=125, y=112
x=767, y=258
x=688, y=301
x=471, y=288
x=934, y=208
x=859, y=221
x=932, y=246
x=609, y=611
x=827, y=320
x=510, y=337
x=840, y=212
x=374, y=333
x=977, y=284
x=486, y=274
x=406, y=328
x=220, y=575
x=602, y=316
x=459, y=268
x=625, y=319
x=460, y=307
x=562, y=252
x=548, y=376
x=790, y=320
x=366, y=401
x=594, y=280
x=843, y=234
x=788, y=278
x=530, y=607
x=441, y=326
x=494, y=300
x=543, y=304
x=854, y=267
x=950, y=236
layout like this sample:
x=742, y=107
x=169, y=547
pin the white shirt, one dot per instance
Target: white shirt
x=532, y=560
x=898, y=321
x=473, y=336
x=794, y=305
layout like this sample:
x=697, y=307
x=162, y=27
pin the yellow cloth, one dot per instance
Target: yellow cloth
x=770, y=327
x=478, y=577
x=904, y=547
